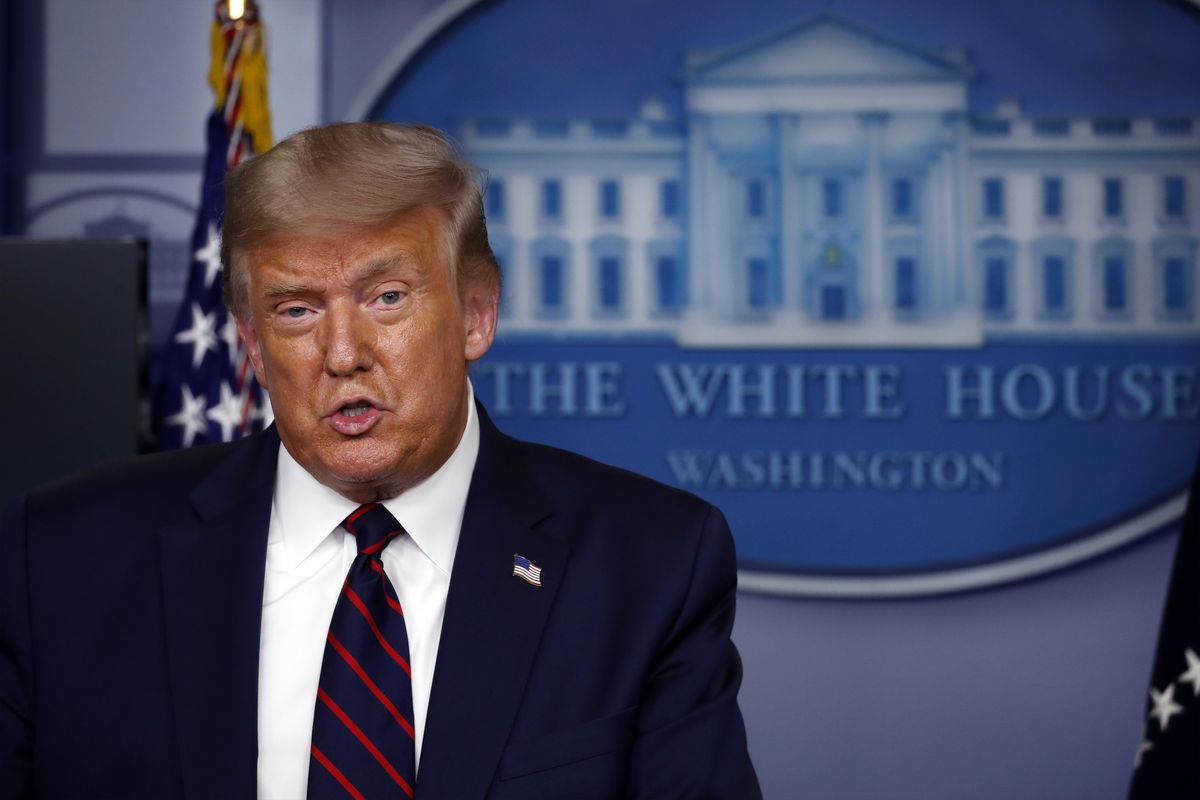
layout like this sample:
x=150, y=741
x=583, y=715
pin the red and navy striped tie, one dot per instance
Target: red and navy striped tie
x=362, y=740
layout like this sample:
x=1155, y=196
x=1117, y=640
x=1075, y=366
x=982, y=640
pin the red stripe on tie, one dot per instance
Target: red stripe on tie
x=391, y=601
x=382, y=543
x=366, y=679
x=362, y=609
x=337, y=774
x=350, y=520
x=362, y=737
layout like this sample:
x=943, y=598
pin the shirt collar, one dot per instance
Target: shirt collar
x=306, y=511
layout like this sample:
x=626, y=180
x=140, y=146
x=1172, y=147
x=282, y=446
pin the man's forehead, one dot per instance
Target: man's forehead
x=352, y=256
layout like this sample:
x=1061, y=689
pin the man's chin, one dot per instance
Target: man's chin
x=364, y=484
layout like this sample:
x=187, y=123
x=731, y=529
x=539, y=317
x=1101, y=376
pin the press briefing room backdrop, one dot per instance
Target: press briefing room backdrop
x=908, y=289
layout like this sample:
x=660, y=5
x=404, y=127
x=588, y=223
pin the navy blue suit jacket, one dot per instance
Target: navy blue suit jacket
x=131, y=598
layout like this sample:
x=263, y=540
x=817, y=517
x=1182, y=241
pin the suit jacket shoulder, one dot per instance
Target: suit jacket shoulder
x=129, y=611
x=614, y=678
x=138, y=488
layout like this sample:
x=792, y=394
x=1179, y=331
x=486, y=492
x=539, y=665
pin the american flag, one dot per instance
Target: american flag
x=1165, y=764
x=526, y=570
x=207, y=392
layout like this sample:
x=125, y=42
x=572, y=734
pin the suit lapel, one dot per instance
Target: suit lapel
x=212, y=589
x=492, y=626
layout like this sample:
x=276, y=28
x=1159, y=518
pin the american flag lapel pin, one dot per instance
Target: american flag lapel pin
x=526, y=570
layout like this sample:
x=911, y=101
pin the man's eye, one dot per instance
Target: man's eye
x=390, y=298
x=296, y=312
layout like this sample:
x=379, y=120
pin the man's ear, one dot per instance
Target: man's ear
x=253, y=349
x=480, y=300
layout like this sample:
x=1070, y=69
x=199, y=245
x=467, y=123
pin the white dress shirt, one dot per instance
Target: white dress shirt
x=308, y=556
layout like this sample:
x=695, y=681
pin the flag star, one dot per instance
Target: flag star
x=1165, y=706
x=190, y=416
x=229, y=335
x=1192, y=675
x=201, y=336
x=210, y=254
x=227, y=412
x=1143, y=748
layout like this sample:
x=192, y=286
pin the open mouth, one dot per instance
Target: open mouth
x=354, y=418
x=353, y=410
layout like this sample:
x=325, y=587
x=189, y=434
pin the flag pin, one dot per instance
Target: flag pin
x=526, y=570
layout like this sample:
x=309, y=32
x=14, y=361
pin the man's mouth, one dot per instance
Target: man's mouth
x=355, y=409
x=354, y=418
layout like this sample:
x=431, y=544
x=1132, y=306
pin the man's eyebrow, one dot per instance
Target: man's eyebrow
x=379, y=265
x=367, y=270
x=280, y=290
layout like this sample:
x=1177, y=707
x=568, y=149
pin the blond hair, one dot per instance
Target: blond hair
x=348, y=177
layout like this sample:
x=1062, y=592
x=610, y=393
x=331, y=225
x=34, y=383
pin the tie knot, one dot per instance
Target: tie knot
x=373, y=527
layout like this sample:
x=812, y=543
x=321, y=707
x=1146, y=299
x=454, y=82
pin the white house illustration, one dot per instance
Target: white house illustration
x=829, y=186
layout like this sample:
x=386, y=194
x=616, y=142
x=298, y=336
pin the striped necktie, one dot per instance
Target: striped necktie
x=362, y=739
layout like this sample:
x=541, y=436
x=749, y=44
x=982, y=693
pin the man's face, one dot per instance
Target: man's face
x=363, y=343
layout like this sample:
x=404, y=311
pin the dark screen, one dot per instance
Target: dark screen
x=71, y=357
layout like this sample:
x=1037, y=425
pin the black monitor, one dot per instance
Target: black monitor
x=73, y=357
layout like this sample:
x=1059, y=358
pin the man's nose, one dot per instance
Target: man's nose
x=348, y=340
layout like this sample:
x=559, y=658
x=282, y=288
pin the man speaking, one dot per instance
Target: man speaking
x=381, y=596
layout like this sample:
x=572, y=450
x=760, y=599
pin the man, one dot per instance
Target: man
x=398, y=601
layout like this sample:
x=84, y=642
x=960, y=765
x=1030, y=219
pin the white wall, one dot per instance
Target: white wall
x=130, y=76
